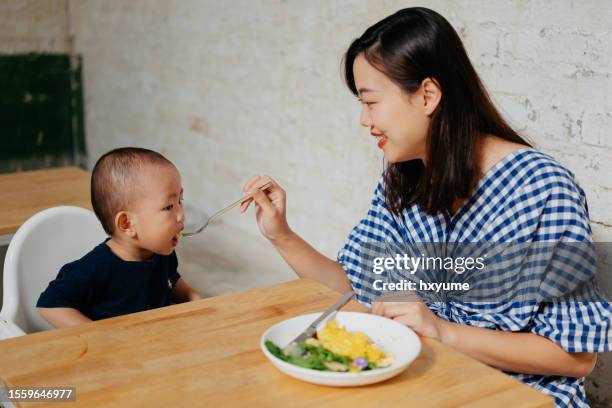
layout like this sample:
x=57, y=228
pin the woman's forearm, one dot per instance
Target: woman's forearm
x=519, y=352
x=307, y=262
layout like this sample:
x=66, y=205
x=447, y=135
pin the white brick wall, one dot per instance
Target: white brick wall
x=254, y=87
x=547, y=65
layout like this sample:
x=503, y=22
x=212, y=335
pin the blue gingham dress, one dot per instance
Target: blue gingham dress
x=525, y=197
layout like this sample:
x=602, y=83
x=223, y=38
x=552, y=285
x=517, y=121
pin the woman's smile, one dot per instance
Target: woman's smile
x=382, y=139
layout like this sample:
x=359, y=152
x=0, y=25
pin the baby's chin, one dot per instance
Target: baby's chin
x=166, y=252
x=161, y=247
x=163, y=250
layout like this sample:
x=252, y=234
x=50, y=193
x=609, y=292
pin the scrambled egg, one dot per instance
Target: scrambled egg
x=351, y=344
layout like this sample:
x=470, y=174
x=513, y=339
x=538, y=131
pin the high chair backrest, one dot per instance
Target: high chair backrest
x=39, y=248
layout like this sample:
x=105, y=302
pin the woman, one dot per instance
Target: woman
x=457, y=172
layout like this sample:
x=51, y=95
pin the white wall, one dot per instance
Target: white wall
x=232, y=89
x=34, y=26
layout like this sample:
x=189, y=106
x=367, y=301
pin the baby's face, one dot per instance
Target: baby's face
x=158, y=209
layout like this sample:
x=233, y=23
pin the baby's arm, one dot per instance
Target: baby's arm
x=182, y=292
x=60, y=317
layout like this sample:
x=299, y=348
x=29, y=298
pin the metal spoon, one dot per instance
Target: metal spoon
x=223, y=211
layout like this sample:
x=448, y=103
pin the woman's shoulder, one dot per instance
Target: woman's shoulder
x=533, y=187
x=547, y=189
x=525, y=167
x=534, y=179
x=542, y=171
x=526, y=173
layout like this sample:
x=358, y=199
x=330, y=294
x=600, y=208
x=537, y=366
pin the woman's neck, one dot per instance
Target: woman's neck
x=491, y=149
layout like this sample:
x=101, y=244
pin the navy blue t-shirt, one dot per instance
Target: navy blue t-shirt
x=102, y=285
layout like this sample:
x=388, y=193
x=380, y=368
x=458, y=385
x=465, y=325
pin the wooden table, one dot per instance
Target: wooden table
x=206, y=353
x=26, y=193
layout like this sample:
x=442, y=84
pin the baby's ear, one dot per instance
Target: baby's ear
x=123, y=224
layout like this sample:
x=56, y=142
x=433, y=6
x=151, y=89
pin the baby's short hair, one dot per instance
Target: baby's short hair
x=113, y=179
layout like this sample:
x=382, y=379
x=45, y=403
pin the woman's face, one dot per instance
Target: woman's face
x=399, y=121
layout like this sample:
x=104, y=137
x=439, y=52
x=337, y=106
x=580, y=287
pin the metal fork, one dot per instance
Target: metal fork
x=223, y=211
x=293, y=348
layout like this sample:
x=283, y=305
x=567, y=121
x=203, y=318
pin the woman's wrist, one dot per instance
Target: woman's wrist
x=283, y=238
x=446, y=332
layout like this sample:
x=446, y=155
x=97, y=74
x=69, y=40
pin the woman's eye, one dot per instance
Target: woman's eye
x=168, y=208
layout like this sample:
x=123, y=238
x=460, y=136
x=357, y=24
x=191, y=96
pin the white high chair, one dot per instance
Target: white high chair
x=39, y=248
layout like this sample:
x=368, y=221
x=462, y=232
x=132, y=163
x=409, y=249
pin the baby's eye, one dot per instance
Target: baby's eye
x=168, y=208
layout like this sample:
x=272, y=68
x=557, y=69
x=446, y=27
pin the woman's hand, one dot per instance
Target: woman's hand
x=269, y=208
x=414, y=314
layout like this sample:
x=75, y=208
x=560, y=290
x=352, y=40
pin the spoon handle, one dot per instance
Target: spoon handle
x=235, y=203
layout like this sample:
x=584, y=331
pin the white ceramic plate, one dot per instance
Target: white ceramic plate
x=393, y=338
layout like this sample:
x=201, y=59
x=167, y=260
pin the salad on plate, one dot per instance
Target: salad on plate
x=333, y=348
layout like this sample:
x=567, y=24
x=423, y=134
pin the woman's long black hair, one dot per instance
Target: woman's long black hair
x=409, y=46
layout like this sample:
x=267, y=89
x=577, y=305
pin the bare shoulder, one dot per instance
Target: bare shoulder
x=493, y=149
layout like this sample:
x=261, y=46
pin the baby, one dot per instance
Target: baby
x=137, y=196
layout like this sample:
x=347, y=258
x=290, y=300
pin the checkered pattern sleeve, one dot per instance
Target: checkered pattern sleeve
x=576, y=326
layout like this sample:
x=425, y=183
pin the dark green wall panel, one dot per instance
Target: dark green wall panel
x=41, y=109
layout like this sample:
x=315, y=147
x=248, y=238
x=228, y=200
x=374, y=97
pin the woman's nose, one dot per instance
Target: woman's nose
x=365, y=119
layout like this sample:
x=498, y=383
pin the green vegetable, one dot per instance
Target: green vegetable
x=275, y=350
x=314, y=357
